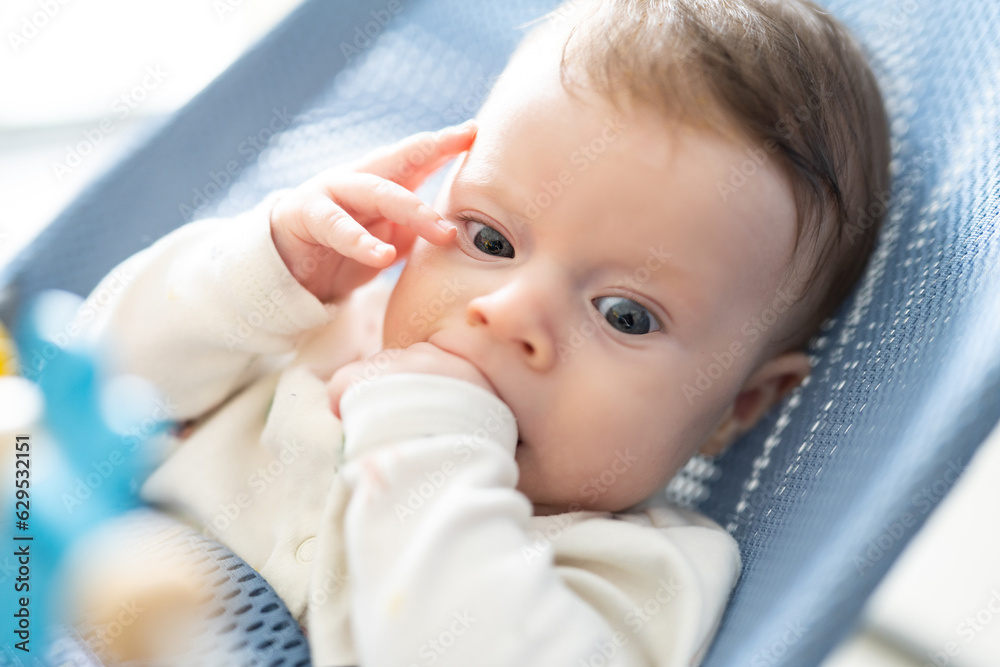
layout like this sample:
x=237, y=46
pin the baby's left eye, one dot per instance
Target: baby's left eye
x=626, y=315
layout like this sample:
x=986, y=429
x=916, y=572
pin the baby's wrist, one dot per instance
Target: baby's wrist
x=397, y=407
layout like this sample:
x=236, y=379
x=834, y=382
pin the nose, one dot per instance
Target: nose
x=520, y=315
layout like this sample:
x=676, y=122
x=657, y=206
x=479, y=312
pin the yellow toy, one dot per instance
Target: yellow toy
x=8, y=354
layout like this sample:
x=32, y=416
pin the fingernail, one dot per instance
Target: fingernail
x=444, y=226
x=381, y=248
x=458, y=129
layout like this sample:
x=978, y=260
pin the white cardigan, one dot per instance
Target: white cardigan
x=406, y=544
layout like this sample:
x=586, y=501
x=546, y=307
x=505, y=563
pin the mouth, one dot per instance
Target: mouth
x=451, y=350
x=435, y=340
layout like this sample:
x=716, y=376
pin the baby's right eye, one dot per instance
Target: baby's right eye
x=486, y=239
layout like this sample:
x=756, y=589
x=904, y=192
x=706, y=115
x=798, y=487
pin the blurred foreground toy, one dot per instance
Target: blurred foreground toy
x=8, y=355
x=79, y=444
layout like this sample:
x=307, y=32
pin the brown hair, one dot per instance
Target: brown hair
x=788, y=76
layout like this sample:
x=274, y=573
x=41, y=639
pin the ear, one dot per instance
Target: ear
x=763, y=389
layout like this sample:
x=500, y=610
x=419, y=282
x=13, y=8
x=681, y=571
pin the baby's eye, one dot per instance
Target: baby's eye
x=626, y=315
x=489, y=240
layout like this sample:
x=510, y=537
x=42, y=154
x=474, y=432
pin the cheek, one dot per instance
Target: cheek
x=395, y=329
x=419, y=298
x=637, y=436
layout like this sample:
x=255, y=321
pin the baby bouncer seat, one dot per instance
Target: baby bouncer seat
x=906, y=376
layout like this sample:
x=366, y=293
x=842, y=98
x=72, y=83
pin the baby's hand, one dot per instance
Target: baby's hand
x=337, y=230
x=417, y=358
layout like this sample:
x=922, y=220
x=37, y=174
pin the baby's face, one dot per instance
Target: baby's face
x=597, y=269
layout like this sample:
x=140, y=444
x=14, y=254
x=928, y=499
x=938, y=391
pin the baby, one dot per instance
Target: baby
x=466, y=470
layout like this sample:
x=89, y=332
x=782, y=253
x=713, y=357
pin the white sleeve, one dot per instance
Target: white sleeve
x=444, y=568
x=198, y=311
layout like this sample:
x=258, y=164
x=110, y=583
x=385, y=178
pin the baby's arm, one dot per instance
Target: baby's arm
x=448, y=567
x=199, y=311
x=202, y=311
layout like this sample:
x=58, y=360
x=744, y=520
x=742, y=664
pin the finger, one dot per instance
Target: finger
x=410, y=161
x=403, y=242
x=355, y=372
x=335, y=389
x=399, y=237
x=325, y=223
x=370, y=198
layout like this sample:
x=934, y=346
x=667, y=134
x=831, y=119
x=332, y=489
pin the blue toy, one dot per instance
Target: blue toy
x=82, y=464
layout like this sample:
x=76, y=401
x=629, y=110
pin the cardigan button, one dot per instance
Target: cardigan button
x=305, y=551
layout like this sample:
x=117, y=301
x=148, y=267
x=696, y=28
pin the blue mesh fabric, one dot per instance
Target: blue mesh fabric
x=906, y=377
x=906, y=381
x=433, y=65
x=241, y=621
